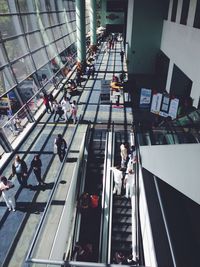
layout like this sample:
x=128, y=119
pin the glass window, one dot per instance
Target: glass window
x=184, y=13
x=23, y=68
x=60, y=45
x=45, y=20
x=174, y=10
x=53, y=19
x=26, y=6
x=3, y=58
x=51, y=51
x=34, y=41
x=16, y=48
x=4, y=7
x=40, y=58
x=44, y=74
x=197, y=15
x=9, y=27
x=6, y=80
x=56, y=33
x=50, y=35
x=30, y=22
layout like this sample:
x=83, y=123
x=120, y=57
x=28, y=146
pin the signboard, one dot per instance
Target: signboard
x=173, y=108
x=105, y=91
x=156, y=103
x=145, y=98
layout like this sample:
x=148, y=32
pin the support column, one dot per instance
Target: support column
x=93, y=15
x=169, y=76
x=80, y=30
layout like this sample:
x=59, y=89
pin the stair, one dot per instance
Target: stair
x=121, y=225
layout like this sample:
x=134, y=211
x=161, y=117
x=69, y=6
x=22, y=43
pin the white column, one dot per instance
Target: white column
x=191, y=12
x=170, y=10
x=169, y=76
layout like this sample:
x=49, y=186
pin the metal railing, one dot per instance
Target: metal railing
x=46, y=210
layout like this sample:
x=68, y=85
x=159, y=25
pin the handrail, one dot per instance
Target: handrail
x=103, y=199
x=106, y=218
x=81, y=185
x=44, y=216
x=110, y=207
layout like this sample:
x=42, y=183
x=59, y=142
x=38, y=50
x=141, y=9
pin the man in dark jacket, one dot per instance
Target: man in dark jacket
x=61, y=146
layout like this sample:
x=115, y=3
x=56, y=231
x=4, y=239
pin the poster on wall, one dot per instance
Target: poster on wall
x=156, y=103
x=173, y=108
x=145, y=98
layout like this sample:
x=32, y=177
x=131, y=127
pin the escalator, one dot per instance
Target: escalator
x=91, y=218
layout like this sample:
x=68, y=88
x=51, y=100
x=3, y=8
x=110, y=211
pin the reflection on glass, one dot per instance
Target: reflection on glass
x=6, y=80
x=23, y=68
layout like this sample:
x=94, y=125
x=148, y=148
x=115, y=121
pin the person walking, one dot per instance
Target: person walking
x=57, y=111
x=74, y=109
x=118, y=176
x=60, y=146
x=19, y=168
x=65, y=107
x=6, y=188
x=36, y=165
x=122, y=56
x=46, y=103
x=129, y=182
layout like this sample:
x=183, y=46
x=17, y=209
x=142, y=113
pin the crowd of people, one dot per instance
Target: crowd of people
x=124, y=174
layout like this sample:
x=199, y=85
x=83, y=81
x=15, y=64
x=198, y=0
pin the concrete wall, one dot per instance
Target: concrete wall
x=144, y=25
x=181, y=44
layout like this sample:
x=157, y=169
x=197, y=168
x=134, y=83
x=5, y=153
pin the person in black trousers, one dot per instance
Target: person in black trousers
x=61, y=146
x=36, y=165
x=19, y=168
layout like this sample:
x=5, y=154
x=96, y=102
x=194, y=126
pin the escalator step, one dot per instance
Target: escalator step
x=121, y=236
x=122, y=211
x=122, y=202
x=120, y=246
x=127, y=228
x=122, y=219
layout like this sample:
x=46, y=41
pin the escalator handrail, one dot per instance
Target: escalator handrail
x=111, y=197
x=107, y=183
x=49, y=201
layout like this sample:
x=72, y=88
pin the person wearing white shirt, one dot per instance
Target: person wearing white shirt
x=123, y=154
x=6, y=187
x=65, y=107
x=118, y=176
x=129, y=182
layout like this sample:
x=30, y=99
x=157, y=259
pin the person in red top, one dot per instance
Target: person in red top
x=46, y=102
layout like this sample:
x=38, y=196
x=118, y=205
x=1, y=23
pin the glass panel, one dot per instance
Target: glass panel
x=57, y=33
x=16, y=48
x=60, y=45
x=26, y=6
x=6, y=80
x=40, y=58
x=4, y=7
x=44, y=74
x=50, y=35
x=30, y=22
x=3, y=59
x=56, y=64
x=23, y=68
x=53, y=19
x=34, y=41
x=45, y=20
x=51, y=51
x=8, y=26
x=15, y=125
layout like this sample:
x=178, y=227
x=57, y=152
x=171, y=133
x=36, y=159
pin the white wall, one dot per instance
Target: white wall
x=181, y=44
x=177, y=165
